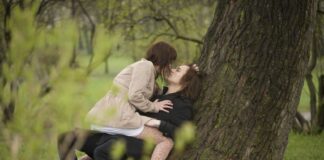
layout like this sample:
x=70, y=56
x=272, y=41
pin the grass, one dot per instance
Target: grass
x=305, y=147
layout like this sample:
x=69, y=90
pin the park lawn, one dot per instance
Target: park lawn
x=300, y=146
x=305, y=147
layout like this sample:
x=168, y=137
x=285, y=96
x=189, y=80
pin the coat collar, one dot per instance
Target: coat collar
x=170, y=95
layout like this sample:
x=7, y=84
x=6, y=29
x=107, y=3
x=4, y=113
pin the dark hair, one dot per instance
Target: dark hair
x=162, y=54
x=191, y=83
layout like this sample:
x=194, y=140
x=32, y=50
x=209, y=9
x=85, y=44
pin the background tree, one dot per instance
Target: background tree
x=319, y=50
x=313, y=122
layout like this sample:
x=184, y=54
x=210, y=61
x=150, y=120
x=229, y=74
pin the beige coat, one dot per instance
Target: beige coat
x=131, y=89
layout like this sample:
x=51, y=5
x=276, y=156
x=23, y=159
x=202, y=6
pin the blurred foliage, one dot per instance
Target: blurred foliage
x=184, y=136
x=37, y=82
x=118, y=149
x=47, y=96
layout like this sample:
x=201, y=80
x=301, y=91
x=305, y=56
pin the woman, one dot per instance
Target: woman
x=183, y=89
x=115, y=113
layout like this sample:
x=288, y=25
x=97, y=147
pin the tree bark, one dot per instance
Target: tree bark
x=312, y=96
x=255, y=56
x=321, y=102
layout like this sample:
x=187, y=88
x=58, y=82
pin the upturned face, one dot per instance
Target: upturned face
x=177, y=74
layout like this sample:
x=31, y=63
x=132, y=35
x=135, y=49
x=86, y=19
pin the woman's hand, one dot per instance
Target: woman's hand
x=86, y=157
x=163, y=105
x=153, y=123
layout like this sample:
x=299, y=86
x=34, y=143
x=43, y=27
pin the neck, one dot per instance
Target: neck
x=173, y=88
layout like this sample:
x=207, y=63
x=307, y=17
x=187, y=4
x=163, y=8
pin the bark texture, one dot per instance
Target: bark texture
x=255, y=56
x=321, y=102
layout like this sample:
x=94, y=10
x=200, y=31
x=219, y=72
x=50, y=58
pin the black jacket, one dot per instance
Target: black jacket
x=181, y=112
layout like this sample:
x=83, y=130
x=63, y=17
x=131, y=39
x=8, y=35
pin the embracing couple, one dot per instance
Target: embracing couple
x=135, y=109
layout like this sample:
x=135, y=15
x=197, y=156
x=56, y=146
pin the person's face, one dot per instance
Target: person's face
x=177, y=74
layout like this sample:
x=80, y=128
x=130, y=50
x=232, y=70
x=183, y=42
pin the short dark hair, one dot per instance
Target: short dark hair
x=191, y=83
x=162, y=54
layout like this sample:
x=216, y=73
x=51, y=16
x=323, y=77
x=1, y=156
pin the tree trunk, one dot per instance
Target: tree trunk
x=255, y=56
x=321, y=102
x=301, y=124
x=73, y=62
x=312, y=96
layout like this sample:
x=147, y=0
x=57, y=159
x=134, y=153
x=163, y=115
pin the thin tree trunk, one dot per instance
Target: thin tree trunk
x=304, y=124
x=106, y=66
x=313, y=106
x=92, y=34
x=255, y=63
x=321, y=102
x=318, y=50
x=73, y=62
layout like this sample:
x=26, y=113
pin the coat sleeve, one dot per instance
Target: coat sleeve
x=141, y=77
x=168, y=128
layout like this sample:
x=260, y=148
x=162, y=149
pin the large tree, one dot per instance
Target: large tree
x=255, y=55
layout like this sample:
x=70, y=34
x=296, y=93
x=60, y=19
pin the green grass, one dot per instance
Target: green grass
x=305, y=147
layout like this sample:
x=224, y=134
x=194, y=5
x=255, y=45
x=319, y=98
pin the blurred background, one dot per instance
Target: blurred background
x=58, y=57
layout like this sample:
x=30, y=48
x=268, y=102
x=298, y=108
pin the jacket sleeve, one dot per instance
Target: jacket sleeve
x=141, y=76
x=168, y=128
